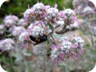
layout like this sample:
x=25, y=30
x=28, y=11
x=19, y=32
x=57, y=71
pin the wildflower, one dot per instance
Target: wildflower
x=38, y=7
x=75, y=25
x=61, y=14
x=7, y=44
x=52, y=12
x=28, y=13
x=24, y=36
x=36, y=31
x=22, y=22
x=54, y=50
x=70, y=17
x=66, y=47
x=69, y=12
x=10, y=20
x=17, y=30
x=79, y=41
x=87, y=11
x=76, y=3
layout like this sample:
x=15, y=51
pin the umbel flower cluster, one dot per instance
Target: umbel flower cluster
x=39, y=24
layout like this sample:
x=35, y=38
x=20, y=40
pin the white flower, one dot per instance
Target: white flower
x=22, y=22
x=15, y=18
x=53, y=56
x=17, y=30
x=36, y=31
x=27, y=13
x=54, y=50
x=87, y=10
x=60, y=22
x=52, y=12
x=53, y=53
x=7, y=44
x=64, y=39
x=23, y=36
x=79, y=41
x=30, y=26
x=49, y=31
x=10, y=20
x=38, y=6
x=46, y=7
x=69, y=12
x=66, y=45
x=74, y=25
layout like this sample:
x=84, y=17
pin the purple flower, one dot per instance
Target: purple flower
x=17, y=30
x=10, y=20
x=7, y=44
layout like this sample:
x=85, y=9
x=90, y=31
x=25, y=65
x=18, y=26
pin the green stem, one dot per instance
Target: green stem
x=11, y=63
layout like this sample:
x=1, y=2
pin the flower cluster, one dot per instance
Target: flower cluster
x=66, y=48
x=22, y=22
x=51, y=17
x=68, y=15
x=17, y=30
x=36, y=12
x=12, y=25
x=10, y=29
x=36, y=28
x=7, y=44
x=41, y=12
x=48, y=14
x=10, y=20
x=38, y=25
x=84, y=8
x=24, y=36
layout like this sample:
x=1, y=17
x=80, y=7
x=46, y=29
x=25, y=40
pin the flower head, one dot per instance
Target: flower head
x=24, y=36
x=10, y=20
x=66, y=47
x=7, y=44
x=22, y=22
x=78, y=41
x=37, y=28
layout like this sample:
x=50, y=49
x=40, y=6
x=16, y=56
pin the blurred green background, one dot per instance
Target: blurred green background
x=17, y=7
